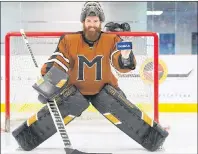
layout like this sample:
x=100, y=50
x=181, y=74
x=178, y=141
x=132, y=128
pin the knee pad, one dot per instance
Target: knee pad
x=114, y=106
x=40, y=126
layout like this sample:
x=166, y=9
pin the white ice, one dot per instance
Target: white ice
x=101, y=136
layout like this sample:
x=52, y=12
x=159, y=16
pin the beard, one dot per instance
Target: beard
x=90, y=34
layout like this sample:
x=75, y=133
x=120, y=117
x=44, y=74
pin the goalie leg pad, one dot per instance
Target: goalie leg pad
x=127, y=117
x=40, y=126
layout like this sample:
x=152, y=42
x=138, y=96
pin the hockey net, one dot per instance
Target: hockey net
x=19, y=101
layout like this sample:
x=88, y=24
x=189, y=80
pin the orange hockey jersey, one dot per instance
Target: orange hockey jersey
x=89, y=68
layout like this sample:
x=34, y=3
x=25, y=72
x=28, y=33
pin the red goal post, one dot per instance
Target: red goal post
x=8, y=51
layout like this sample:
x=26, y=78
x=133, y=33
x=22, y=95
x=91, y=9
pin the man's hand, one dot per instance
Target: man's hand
x=125, y=48
x=127, y=59
x=125, y=53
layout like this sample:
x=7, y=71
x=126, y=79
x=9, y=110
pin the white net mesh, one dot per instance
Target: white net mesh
x=137, y=85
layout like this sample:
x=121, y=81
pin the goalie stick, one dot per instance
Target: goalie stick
x=55, y=112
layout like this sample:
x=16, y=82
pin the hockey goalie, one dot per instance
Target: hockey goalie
x=79, y=72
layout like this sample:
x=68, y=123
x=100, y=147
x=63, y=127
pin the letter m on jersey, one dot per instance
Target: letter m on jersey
x=97, y=61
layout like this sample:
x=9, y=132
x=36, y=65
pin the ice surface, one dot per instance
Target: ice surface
x=101, y=136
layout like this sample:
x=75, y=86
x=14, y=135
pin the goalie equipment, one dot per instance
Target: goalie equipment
x=92, y=9
x=112, y=27
x=114, y=106
x=51, y=84
x=39, y=127
x=116, y=27
x=125, y=27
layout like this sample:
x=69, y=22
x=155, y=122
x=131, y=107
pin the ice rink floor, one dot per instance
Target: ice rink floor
x=101, y=136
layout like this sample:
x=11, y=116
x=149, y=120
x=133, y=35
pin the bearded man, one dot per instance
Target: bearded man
x=85, y=59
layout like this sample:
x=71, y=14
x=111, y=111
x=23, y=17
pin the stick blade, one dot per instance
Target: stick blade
x=75, y=151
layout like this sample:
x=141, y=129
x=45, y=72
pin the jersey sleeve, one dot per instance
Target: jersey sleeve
x=59, y=59
x=116, y=57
